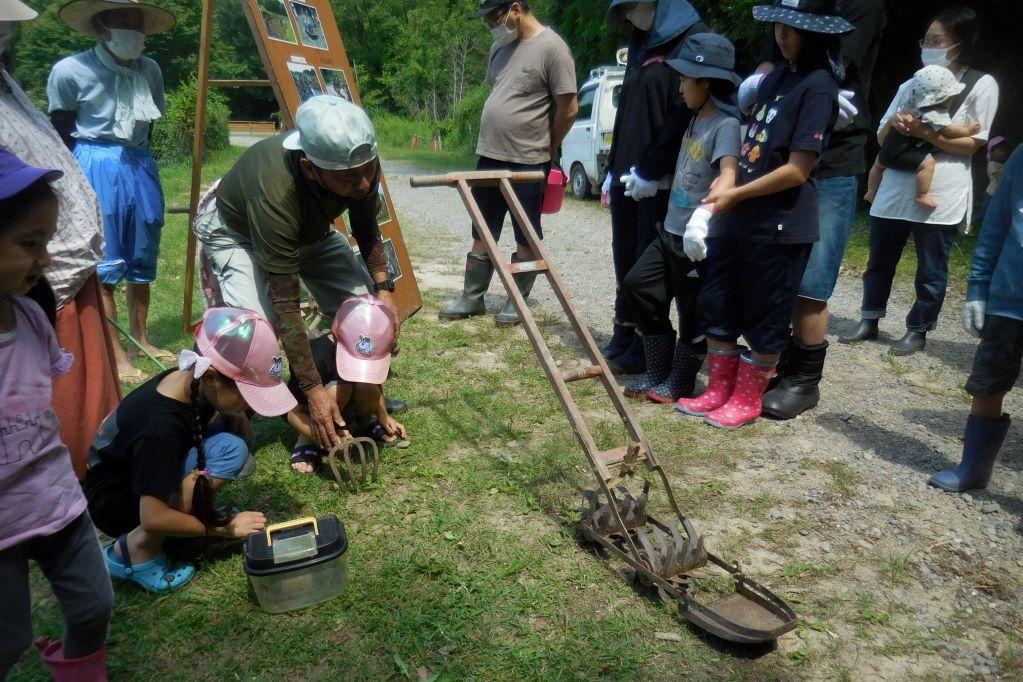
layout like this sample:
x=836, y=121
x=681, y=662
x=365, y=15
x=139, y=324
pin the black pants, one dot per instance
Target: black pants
x=751, y=291
x=662, y=274
x=494, y=208
x=72, y=561
x=632, y=229
x=933, y=245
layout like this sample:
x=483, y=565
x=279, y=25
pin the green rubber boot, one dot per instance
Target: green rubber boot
x=478, y=273
x=508, y=316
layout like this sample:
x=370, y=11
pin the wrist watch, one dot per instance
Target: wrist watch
x=386, y=285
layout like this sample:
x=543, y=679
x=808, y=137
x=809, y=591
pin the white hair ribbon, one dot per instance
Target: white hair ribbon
x=192, y=359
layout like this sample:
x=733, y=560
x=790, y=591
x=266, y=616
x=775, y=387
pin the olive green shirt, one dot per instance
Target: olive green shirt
x=266, y=197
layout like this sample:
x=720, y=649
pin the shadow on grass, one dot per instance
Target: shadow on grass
x=904, y=450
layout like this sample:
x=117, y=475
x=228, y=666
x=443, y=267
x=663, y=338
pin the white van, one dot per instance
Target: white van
x=586, y=147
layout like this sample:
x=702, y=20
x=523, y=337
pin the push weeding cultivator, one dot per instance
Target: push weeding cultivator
x=669, y=554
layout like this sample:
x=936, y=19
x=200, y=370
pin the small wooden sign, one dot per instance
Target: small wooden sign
x=304, y=56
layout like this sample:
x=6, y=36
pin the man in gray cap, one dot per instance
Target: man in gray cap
x=270, y=227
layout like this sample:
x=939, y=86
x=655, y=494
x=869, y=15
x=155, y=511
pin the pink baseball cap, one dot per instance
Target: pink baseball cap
x=364, y=330
x=242, y=345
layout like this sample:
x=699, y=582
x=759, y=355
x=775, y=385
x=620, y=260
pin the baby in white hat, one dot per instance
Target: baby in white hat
x=934, y=92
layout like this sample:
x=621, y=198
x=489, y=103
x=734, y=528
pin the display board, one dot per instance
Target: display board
x=304, y=56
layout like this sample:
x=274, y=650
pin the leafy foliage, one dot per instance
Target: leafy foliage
x=172, y=134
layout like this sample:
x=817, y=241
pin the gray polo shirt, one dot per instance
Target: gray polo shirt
x=525, y=76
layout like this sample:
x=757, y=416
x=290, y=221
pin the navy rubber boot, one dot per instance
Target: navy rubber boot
x=658, y=351
x=621, y=338
x=632, y=361
x=984, y=439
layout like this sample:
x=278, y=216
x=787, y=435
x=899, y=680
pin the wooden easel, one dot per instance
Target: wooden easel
x=407, y=292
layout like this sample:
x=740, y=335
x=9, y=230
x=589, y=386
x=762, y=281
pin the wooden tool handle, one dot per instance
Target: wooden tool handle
x=476, y=178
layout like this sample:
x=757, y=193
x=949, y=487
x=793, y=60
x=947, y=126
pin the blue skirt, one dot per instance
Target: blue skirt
x=128, y=186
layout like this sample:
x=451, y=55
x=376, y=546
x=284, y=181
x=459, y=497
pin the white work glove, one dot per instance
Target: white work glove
x=748, y=92
x=636, y=187
x=846, y=109
x=694, y=241
x=973, y=317
x=605, y=192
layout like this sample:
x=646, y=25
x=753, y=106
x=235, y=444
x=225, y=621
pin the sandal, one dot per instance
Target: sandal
x=309, y=454
x=153, y=576
x=380, y=435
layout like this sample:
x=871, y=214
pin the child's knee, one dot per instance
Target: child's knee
x=94, y=611
x=227, y=456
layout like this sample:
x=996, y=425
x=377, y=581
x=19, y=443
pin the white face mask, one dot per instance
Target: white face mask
x=503, y=35
x=642, y=15
x=126, y=44
x=6, y=33
x=936, y=56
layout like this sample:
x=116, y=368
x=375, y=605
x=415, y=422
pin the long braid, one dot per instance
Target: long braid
x=202, y=493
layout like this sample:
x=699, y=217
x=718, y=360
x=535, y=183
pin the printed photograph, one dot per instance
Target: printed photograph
x=393, y=268
x=278, y=23
x=383, y=215
x=336, y=82
x=310, y=30
x=305, y=80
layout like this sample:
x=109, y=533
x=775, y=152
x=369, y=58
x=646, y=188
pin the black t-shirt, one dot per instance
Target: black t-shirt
x=145, y=442
x=846, y=152
x=793, y=112
x=325, y=359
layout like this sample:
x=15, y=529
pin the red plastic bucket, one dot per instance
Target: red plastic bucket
x=554, y=194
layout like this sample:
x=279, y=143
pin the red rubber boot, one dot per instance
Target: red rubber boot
x=746, y=402
x=91, y=668
x=721, y=371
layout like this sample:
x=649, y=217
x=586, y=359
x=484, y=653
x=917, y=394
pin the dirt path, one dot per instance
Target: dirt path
x=895, y=579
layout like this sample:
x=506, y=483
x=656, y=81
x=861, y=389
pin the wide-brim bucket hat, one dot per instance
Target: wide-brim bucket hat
x=15, y=10
x=934, y=84
x=815, y=16
x=707, y=55
x=78, y=15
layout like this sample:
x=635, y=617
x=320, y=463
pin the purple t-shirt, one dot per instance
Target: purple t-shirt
x=39, y=493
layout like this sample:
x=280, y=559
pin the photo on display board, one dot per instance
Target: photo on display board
x=383, y=214
x=310, y=30
x=393, y=267
x=277, y=21
x=305, y=80
x=336, y=82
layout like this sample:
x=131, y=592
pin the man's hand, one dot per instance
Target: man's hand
x=393, y=427
x=325, y=417
x=242, y=525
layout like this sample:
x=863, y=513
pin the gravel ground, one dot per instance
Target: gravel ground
x=890, y=422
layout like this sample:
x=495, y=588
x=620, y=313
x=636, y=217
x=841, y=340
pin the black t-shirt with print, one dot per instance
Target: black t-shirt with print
x=325, y=359
x=793, y=112
x=145, y=441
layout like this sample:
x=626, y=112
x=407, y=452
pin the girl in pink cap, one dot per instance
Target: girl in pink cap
x=353, y=361
x=162, y=456
x=43, y=516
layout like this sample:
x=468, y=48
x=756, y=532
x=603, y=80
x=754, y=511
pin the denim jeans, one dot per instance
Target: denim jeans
x=838, y=200
x=933, y=245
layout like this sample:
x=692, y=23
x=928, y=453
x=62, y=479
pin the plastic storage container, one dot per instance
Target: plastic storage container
x=554, y=193
x=298, y=563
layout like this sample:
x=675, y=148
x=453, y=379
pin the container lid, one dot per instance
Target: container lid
x=295, y=544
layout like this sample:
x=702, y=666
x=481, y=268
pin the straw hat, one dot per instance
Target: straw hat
x=78, y=15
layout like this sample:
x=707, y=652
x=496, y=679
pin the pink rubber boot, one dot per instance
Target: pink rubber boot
x=91, y=668
x=746, y=402
x=721, y=372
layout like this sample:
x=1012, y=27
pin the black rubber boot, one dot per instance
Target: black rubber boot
x=508, y=316
x=798, y=391
x=478, y=273
x=783, y=365
x=395, y=405
x=912, y=342
x=984, y=439
x=658, y=351
x=621, y=339
x=632, y=361
x=681, y=380
x=866, y=330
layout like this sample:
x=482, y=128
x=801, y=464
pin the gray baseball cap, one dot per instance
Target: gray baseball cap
x=334, y=133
